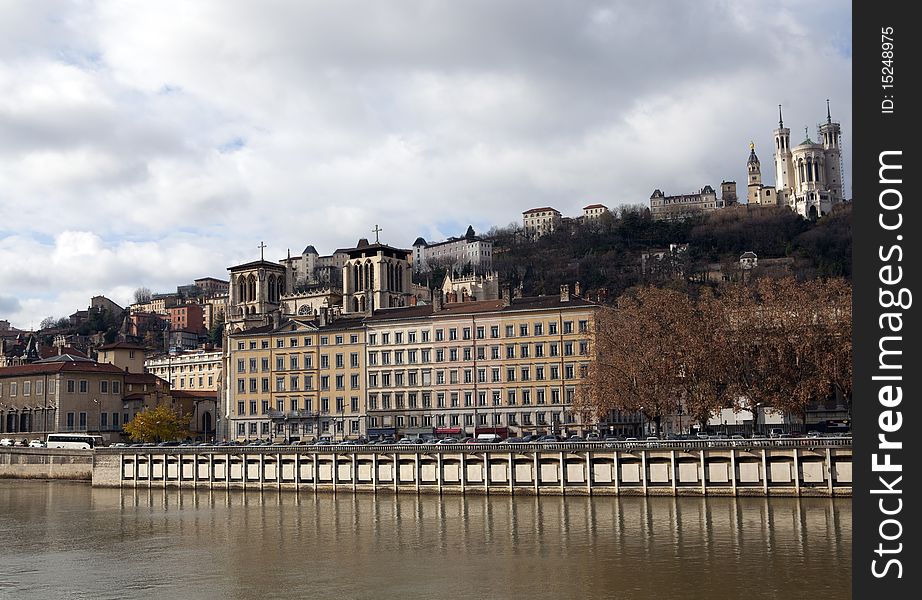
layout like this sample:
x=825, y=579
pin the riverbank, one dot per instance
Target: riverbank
x=46, y=463
x=796, y=468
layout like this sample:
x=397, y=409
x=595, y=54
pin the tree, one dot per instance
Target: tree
x=157, y=425
x=707, y=362
x=216, y=333
x=48, y=323
x=470, y=233
x=142, y=295
x=637, y=359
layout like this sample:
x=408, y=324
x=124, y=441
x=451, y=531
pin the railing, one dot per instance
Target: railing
x=293, y=414
x=626, y=446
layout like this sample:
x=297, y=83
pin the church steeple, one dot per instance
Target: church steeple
x=828, y=114
x=780, y=120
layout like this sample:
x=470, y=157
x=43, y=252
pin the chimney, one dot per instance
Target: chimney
x=565, y=293
x=322, y=316
x=576, y=290
x=275, y=319
x=436, y=300
x=506, y=295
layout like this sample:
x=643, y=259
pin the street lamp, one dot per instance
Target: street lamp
x=643, y=423
x=755, y=417
x=98, y=415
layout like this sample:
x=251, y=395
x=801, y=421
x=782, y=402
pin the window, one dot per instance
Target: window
x=440, y=356
x=372, y=339
x=523, y=351
x=510, y=374
x=340, y=361
x=279, y=384
x=552, y=328
x=510, y=351
x=280, y=363
x=71, y=386
x=241, y=386
x=398, y=338
x=354, y=360
x=494, y=353
x=568, y=349
x=425, y=336
x=353, y=339
x=466, y=333
x=324, y=361
x=494, y=331
x=480, y=333
x=240, y=365
x=568, y=326
x=510, y=330
x=339, y=340
x=523, y=330
x=103, y=387
x=293, y=362
x=439, y=335
x=84, y=386
x=539, y=328
x=279, y=343
x=539, y=396
x=453, y=333
x=584, y=326
x=385, y=338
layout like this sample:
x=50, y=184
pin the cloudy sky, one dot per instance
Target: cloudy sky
x=151, y=143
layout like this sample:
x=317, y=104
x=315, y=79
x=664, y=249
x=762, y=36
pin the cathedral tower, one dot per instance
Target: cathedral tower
x=376, y=276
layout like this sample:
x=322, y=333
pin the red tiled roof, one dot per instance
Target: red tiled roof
x=60, y=367
x=122, y=346
x=594, y=206
x=533, y=210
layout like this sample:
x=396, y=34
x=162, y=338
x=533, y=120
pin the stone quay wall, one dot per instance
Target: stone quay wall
x=45, y=463
x=785, y=468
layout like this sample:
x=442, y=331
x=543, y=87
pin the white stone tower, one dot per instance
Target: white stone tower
x=784, y=173
x=831, y=132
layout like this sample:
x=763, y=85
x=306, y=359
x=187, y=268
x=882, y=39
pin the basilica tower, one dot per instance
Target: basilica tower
x=754, y=182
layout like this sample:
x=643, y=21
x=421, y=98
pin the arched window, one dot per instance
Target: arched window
x=355, y=305
x=251, y=288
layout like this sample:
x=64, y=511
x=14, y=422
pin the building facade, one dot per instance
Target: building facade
x=508, y=366
x=540, y=221
x=454, y=253
x=684, y=205
x=64, y=393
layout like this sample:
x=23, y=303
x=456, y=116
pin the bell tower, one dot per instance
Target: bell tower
x=754, y=182
x=784, y=176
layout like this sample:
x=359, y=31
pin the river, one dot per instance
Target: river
x=68, y=540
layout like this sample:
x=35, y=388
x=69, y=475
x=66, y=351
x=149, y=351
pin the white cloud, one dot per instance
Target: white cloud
x=167, y=139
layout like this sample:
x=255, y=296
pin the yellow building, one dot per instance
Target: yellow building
x=302, y=379
x=478, y=367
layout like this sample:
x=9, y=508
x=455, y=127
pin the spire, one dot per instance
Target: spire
x=828, y=115
x=780, y=120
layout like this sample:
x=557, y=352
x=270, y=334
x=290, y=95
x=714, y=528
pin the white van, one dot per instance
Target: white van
x=489, y=438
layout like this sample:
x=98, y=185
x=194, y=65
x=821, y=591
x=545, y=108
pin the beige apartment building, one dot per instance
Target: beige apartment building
x=478, y=367
x=540, y=221
x=64, y=393
x=303, y=379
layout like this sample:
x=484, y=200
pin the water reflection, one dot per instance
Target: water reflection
x=68, y=540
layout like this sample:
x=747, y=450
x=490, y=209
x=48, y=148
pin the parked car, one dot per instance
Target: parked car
x=7, y=442
x=575, y=438
x=489, y=438
x=593, y=437
x=409, y=440
x=38, y=444
x=447, y=441
x=548, y=438
x=775, y=432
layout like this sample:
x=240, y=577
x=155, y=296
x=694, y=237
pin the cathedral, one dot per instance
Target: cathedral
x=372, y=276
x=808, y=177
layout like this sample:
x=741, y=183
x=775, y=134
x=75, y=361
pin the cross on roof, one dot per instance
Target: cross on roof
x=262, y=247
x=376, y=230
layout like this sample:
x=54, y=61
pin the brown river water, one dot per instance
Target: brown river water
x=68, y=540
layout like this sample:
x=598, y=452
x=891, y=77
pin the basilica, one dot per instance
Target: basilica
x=808, y=176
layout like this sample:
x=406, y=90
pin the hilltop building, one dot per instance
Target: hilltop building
x=455, y=253
x=540, y=221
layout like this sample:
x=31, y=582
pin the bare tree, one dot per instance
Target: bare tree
x=142, y=295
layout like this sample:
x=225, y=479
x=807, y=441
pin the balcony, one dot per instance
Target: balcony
x=290, y=415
